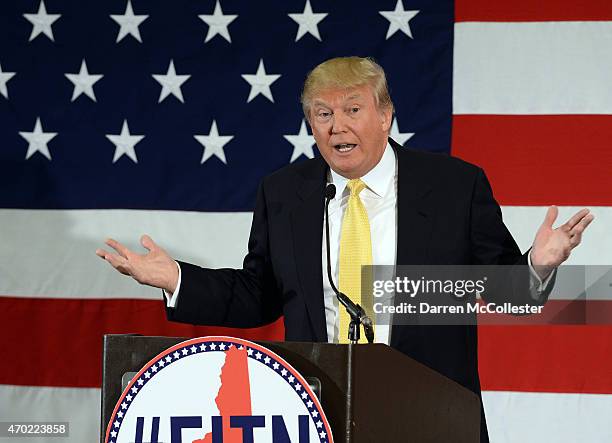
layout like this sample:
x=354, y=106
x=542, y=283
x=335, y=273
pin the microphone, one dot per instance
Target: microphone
x=355, y=311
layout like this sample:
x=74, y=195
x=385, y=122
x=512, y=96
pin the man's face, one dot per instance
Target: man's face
x=350, y=130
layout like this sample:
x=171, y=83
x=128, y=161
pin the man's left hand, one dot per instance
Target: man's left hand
x=552, y=246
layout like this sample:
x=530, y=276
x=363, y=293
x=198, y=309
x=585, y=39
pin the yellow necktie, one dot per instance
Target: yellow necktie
x=355, y=252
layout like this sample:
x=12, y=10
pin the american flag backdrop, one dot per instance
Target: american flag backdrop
x=119, y=118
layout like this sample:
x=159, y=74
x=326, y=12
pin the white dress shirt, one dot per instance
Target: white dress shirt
x=380, y=200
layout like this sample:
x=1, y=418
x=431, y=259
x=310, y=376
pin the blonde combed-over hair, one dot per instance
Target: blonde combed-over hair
x=346, y=73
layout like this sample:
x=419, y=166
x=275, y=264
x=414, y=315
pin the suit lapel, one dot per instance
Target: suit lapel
x=414, y=209
x=307, y=232
x=414, y=219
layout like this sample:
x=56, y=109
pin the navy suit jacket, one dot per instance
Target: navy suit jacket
x=446, y=215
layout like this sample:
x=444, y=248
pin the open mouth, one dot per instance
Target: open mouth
x=345, y=147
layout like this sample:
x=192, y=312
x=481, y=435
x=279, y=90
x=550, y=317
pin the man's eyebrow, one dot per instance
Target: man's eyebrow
x=318, y=102
x=353, y=97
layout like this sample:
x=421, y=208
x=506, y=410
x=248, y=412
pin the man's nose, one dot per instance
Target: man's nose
x=338, y=123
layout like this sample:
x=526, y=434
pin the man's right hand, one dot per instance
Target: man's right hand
x=156, y=268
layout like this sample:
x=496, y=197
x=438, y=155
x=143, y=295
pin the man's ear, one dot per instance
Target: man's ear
x=386, y=115
x=307, y=117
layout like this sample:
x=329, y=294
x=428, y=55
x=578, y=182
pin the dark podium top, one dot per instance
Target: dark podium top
x=370, y=393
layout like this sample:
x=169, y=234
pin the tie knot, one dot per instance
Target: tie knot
x=356, y=186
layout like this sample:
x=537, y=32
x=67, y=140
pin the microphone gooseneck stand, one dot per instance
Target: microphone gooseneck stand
x=358, y=317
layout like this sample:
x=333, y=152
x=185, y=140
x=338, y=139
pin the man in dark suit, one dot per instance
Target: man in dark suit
x=421, y=208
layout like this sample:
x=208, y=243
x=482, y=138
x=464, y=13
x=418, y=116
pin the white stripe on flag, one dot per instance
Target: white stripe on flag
x=596, y=247
x=511, y=416
x=51, y=253
x=80, y=407
x=532, y=68
x=524, y=417
x=594, y=252
x=55, y=249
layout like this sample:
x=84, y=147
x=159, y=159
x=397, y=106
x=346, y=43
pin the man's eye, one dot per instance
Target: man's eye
x=354, y=109
x=324, y=114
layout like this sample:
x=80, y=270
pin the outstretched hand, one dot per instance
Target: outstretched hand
x=552, y=246
x=155, y=268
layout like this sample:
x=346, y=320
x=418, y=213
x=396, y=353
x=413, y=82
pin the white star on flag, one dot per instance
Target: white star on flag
x=308, y=22
x=171, y=83
x=83, y=82
x=302, y=143
x=4, y=78
x=400, y=137
x=217, y=23
x=129, y=23
x=260, y=82
x=124, y=143
x=399, y=19
x=213, y=144
x=41, y=22
x=38, y=140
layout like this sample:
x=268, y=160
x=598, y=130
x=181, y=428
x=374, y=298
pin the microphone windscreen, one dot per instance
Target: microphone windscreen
x=330, y=191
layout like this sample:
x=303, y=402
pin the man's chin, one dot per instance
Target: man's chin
x=347, y=171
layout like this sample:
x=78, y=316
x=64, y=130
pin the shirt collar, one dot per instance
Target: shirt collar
x=377, y=179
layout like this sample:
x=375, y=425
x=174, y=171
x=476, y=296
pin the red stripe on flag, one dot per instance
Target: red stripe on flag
x=532, y=11
x=43, y=339
x=554, y=312
x=540, y=159
x=571, y=359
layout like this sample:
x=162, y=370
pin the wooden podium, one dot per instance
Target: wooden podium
x=370, y=393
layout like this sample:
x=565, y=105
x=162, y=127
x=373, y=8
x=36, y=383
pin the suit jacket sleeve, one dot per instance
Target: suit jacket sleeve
x=246, y=297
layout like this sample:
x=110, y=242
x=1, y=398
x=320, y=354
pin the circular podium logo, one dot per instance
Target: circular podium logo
x=218, y=390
